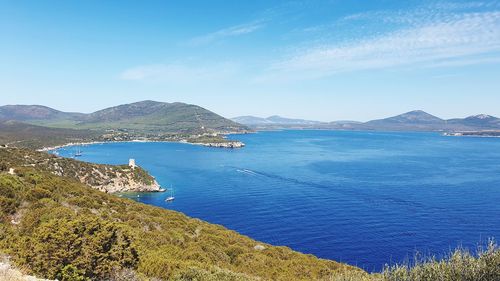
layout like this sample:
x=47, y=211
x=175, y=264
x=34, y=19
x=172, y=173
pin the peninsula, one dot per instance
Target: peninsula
x=106, y=178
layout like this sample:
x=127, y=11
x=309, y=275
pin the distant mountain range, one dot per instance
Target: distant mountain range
x=417, y=120
x=41, y=126
x=140, y=116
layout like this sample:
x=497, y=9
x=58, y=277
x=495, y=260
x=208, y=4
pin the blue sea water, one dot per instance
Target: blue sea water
x=364, y=198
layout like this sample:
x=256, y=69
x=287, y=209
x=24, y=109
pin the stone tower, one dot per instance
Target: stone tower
x=131, y=163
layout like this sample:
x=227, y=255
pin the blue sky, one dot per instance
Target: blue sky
x=324, y=60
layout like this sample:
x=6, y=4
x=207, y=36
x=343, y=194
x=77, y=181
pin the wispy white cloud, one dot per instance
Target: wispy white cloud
x=443, y=34
x=427, y=37
x=232, y=31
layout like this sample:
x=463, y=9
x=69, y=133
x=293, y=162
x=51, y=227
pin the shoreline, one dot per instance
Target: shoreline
x=215, y=145
x=471, y=134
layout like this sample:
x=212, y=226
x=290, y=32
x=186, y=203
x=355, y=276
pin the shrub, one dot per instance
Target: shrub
x=37, y=193
x=3, y=166
x=8, y=206
x=86, y=247
x=71, y=273
x=460, y=265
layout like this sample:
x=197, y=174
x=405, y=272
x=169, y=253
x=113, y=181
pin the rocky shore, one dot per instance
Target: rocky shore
x=229, y=144
x=125, y=181
x=490, y=134
x=222, y=144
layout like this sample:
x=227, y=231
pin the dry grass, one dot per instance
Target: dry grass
x=460, y=265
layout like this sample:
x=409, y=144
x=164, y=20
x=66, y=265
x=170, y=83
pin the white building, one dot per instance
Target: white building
x=131, y=163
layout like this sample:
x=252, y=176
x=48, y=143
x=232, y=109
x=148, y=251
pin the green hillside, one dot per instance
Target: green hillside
x=20, y=134
x=35, y=126
x=35, y=112
x=144, y=116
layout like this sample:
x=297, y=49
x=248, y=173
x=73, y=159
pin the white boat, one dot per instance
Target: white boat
x=171, y=197
x=78, y=153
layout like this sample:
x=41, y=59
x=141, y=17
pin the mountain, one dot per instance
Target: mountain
x=477, y=122
x=272, y=120
x=159, y=116
x=413, y=120
x=34, y=112
x=146, y=116
x=416, y=120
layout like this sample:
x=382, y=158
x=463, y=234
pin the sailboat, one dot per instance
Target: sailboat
x=171, y=197
x=78, y=153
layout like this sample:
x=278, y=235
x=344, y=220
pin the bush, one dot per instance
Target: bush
x=8, y=206
x=3, y=166
x=85, y=247
x=71, y=273
x=37, y=193
x=460, y=265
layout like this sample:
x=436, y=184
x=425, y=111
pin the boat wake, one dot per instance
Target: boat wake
x=246, y=171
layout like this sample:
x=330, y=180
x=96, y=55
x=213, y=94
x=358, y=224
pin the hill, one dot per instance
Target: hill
x=165, y=117
x=39, y=126
x=477, y=122
x=421, y=121
x=15, y=133
x=144, y=116
x=35, y=112
x=56, y=227
x=413, y=120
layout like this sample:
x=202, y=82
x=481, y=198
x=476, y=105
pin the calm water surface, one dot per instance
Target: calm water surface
x=365, y=198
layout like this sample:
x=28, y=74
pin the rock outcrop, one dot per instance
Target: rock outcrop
x=229, y=144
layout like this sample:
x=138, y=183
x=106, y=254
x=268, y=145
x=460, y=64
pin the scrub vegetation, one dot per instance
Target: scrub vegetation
x=97, y=176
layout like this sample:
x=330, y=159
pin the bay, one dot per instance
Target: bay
x=364, y=198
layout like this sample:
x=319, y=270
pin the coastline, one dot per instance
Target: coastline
x=213, y=144
x=473, y=134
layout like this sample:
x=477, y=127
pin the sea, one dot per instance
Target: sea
x=365, y=198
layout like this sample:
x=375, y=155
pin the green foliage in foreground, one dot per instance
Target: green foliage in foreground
x=460, y=265
x=56, y=227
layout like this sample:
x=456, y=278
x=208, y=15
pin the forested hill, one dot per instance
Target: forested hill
x=36, y=126
x=143, y=116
